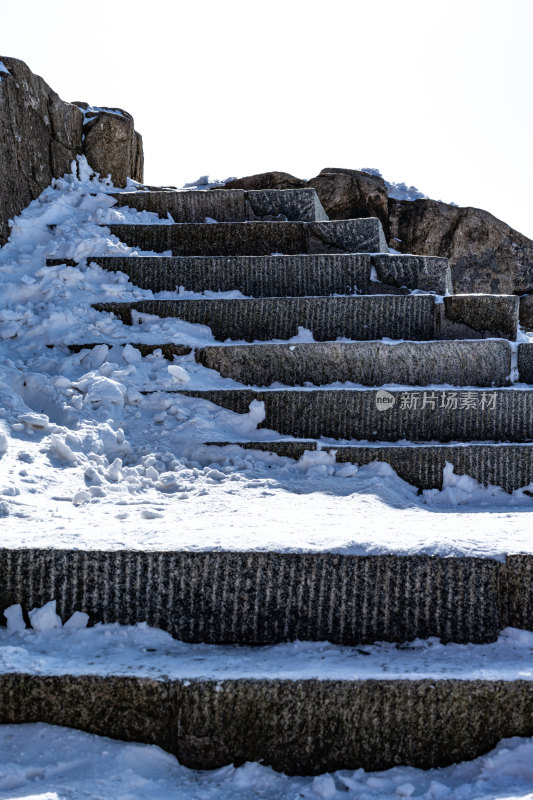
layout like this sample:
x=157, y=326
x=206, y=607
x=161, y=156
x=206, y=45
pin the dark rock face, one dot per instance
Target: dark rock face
x=40, y=135
x=349, y=194
x=267, y=180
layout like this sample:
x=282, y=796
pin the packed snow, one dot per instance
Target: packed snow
x=45, y=762
x=88, y=461
x=50, y=648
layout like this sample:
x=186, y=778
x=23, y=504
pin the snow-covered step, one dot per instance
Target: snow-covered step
x=418, y=415
x=300, y=708
x=357, y=317
x=460, y=363
x=422, y=465
x=227, y=205
x=266, y=596
x=257, y=238
x=284, y=276
x=168, y=350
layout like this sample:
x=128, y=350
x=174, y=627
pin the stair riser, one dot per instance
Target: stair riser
x=495, y=415
x=284, y=276
x=257, y=238
x=525, y=363
x=339, y=724
x=255, y=598
x=363, y=318
x=482, y=363
x=230, y=205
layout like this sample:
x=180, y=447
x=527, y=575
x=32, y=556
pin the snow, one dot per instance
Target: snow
x=88, y=461
x=45, y=762
x=141, y=651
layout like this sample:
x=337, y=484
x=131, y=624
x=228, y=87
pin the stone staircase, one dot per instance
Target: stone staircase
x=453, y=359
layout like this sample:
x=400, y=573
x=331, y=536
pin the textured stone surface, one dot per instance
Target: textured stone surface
x=526, y=311
x=299, y=727
x=482, y=315
x=486, y=254
x=502, y=415
x=519, y=590
x=234, y=205
x=257, y=238
x=349, y=194
x=466, y=363
x=113, y=146
x=261, y=319
x=261, y=597
x=284, y=276
x=40, y=135
x=525, y=362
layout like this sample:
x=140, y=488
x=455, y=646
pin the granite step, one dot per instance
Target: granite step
x=284, y=276
x=260, y=597
x=357, y=317
x=343, y=716
x=420, y=415
x=459, y=363
x=525, y=362
x=257, y=238
x=422, y=465
x=227, y=205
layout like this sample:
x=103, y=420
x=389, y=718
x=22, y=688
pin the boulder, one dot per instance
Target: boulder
x=40, y=135
x=267, y=180
x=486, y=254
x=349, y=194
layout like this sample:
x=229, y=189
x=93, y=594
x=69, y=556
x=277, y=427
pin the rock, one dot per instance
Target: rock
x=486, y=254
x=40, y=135
x=112, y=146
x=267, y=180
x=349, y=194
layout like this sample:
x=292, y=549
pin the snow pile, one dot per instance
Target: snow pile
x=45, y=762
x=398, y=191
x=83, y=449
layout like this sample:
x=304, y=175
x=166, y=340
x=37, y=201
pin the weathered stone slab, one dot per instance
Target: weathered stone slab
x=262, y=597
x=262, y=319
x=339, y=724
x=227, y=205
x=459, y=363
x=257, y=238
x=525, y=362
x=519, y=591
x=500, y=415
x=477, y=315
x=283, y=276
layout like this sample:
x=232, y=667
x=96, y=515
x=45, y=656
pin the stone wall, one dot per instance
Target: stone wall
x=40, y=135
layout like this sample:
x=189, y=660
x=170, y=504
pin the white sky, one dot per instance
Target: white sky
x=435, y=94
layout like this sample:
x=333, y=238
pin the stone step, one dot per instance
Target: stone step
x=227, y=205
x=525, y=362
x=284, y=276
x=507, y=465
x=421, y=415
x=260, y=597
x=333, y=718
x=356, y=317
x=257, y=238
x=459, y=363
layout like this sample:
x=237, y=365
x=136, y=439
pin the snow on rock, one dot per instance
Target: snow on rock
x=48, y=762
x=78, y=620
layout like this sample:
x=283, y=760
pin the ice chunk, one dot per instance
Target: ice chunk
x=45, y=618
x=61, y=449
x=324, y=786
x=33, y=420
x=178, y=373
x=15, y=620
x=78, y=620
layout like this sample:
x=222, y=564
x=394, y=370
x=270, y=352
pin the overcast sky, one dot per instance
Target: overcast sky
x=435, y=94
